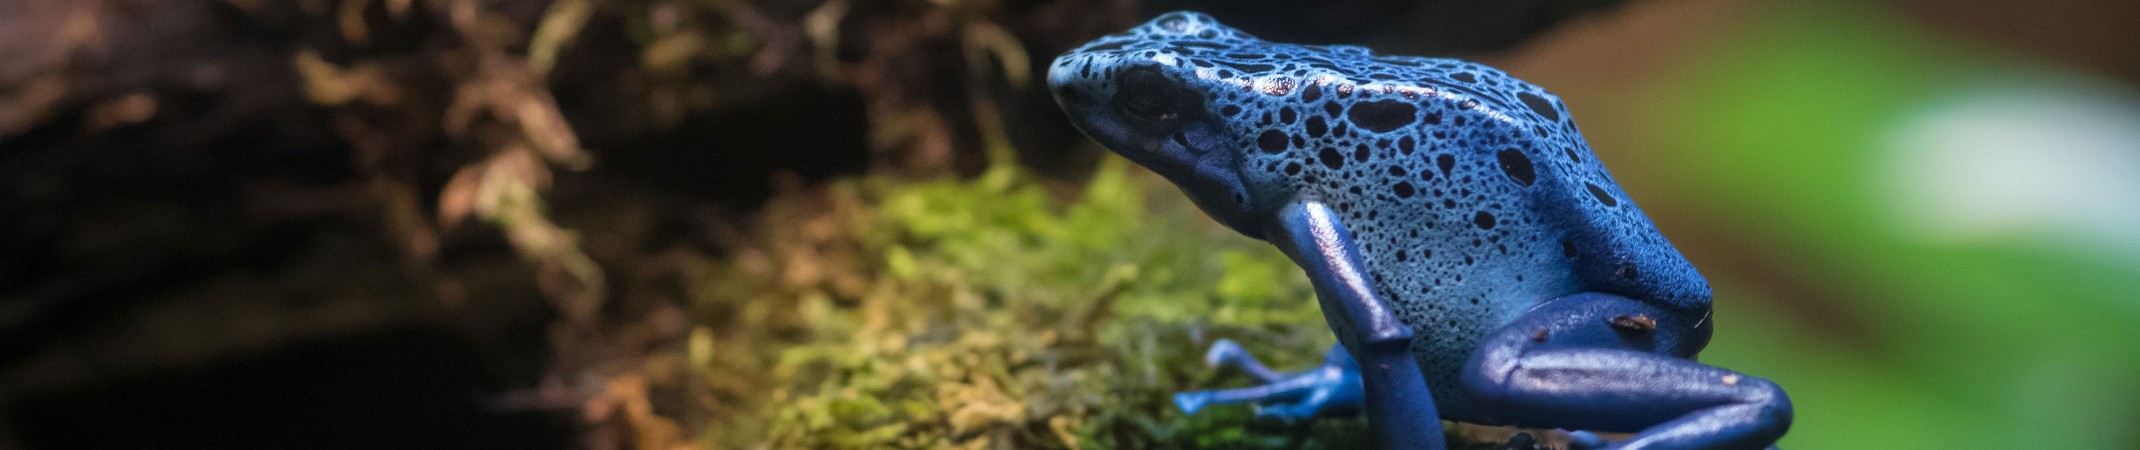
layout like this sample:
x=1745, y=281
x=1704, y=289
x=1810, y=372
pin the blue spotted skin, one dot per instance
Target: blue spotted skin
x=1469, y=201
x=1470, y=192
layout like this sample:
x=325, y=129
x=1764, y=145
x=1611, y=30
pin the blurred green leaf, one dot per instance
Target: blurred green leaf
x=1782, y=132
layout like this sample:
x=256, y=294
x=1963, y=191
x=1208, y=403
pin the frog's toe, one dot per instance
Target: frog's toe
x=1315, y=392
x=1296, y=411
x=1226, y=352
x=1283, y=391
x=1584, y=440
x=1191, y=402
x=1325, y=393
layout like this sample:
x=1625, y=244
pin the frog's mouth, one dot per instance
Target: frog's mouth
x=1214, y=183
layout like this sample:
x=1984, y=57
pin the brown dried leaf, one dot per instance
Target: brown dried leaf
x=331, y=85
x=458, y=198
x=349, y=17
x=559, y=25
x=127, y=110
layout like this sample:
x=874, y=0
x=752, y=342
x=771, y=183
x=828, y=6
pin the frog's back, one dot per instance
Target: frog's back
x=1459, y=180
x=1471, y=194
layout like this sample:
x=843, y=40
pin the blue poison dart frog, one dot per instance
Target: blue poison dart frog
x=1472, y=255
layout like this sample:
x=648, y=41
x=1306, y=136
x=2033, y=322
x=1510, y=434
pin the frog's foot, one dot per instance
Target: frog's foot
x=1330, y=388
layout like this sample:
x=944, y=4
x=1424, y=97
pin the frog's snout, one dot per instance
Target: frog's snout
x=1070, y=78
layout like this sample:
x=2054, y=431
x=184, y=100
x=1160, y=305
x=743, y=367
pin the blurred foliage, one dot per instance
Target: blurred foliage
x=1889, y=334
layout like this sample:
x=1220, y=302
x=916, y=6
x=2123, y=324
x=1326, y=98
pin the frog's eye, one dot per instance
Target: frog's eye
x=1148, y=96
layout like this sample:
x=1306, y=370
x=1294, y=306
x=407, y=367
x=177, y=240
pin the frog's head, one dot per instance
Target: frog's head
x=1141, y=94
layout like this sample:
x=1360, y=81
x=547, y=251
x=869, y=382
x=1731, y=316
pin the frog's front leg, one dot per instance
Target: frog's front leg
x=1397, y=403
x=1604, y=362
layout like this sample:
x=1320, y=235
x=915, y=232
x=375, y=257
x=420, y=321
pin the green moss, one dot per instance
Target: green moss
x=987, y=313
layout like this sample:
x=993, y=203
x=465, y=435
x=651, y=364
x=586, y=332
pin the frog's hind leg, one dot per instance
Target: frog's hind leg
x=1331, y=388
x=1608, y=363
